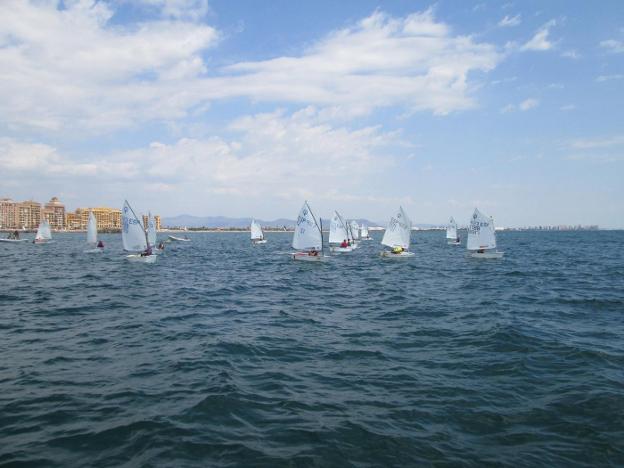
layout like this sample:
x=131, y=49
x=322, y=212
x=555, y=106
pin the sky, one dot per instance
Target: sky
x=247, y=108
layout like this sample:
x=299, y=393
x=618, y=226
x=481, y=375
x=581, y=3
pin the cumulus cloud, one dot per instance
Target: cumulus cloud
x=613, y=46
x=273, y=154
x=525, y=105
x=117, y=76
x=603, y=78
x=509, y=21
x=540, y=41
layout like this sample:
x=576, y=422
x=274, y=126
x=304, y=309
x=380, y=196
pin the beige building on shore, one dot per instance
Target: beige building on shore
x=107, y=218
x=54, y=212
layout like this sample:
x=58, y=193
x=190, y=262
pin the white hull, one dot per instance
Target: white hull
x=340, y=249
x=42, y=241
x=486, y=255
x=95, y=250
x=141, y=258
x=304, y=257
x=259, y=241
x=453, y=243
x=178, y=239
x=14, y=241
x=388, y=254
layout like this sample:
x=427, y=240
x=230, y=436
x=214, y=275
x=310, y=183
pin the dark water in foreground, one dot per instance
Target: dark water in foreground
x=224, y=354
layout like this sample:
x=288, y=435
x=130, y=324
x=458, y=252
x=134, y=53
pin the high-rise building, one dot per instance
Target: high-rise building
x=157, y=222
x=28, y=214
x=8, y=213
x=54, y=212
x=107, y=218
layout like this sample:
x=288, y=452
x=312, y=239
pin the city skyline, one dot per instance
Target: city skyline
x=221, y=108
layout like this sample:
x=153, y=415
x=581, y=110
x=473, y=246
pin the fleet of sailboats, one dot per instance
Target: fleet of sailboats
x=257, y=236
x=140, y=240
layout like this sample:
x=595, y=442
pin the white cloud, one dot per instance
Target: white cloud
x=179, y=9
x=509, y=21
x=525, y=105
x=119, y=76
x=540, y=40
x=592, y=143
x=568, y=107
x=272, y=155
x=613, y=46
x=603, y=78
x=571, y=54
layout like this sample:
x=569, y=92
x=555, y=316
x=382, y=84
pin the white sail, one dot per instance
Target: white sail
x=151, y=230
x=364, y=231
x=308, y=234
x=337, y=230
x=44, y=232
x=398, y=231
x=481, y=232
x=133, y=233
x=256, y=231
x=355, y=229
x=92, y=229
x=451, y=229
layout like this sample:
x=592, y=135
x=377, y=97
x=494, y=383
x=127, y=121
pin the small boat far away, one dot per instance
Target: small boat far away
x=338, y=235
x=134, y=237
x=13, y=238
x=482, y=237
x=179, y=239
x=44, y=233
x=257, y=236
x=308, y=237
x=92, y=242
x=397, y=236
x=364, y=233
x=355, y=232
x=452, y=238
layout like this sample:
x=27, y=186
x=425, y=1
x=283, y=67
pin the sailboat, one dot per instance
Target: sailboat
x=308, y=237
x=92, y=235
x=257, y=236
x=364, y=233
x=44, y=233
x=397, y=236
x=338, y=234
x=355, y=233
x=452, y=238
x=482, y=237
x=151, y=235
x=135, y=237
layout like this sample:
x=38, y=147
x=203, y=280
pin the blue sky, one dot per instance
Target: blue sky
x=247, y=108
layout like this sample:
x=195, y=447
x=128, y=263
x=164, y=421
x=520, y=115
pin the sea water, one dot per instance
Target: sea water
x=228, y=354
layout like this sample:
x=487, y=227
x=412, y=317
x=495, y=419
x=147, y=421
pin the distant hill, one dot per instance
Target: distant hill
x=225, y=222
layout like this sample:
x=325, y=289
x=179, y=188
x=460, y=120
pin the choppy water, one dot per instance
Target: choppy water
x=225, y=354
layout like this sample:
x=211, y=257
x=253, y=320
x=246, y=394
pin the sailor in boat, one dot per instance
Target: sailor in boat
x=344, y=244
x=457, y=240
x=161, y=246
x=100, y=244
x=14, y=235
x=481, y=251
x=147, y=252
x=397, y=250
x=313, y=253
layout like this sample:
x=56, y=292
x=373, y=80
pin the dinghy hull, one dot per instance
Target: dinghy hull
x=137, y=258
x=453, y=243
x=341, y=249
x=260, y=241
x=14, y=241
x=93, y=251
x=486, y=255
x=304, y=257
x=178, y=239
x=388, y=254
